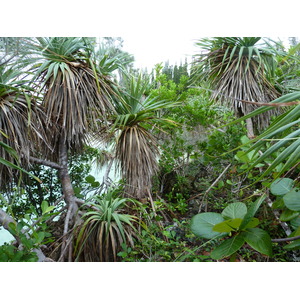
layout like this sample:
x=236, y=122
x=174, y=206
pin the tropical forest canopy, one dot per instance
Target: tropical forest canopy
x=198, y=161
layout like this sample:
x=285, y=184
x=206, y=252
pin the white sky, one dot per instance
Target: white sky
x=151, y=50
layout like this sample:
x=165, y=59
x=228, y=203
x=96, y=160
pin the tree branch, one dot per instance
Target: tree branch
x=46, y=163
x=286, y=239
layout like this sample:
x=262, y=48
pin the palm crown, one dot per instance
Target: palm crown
x=238, y=70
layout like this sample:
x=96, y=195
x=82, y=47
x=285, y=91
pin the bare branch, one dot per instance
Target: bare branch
x=46, y=163
x=286, y=239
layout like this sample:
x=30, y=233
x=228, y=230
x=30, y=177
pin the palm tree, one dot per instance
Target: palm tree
x=136, y=148
x=238, y=70
x=76, y=102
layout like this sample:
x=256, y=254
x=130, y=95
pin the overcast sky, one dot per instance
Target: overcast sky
x=151, y=50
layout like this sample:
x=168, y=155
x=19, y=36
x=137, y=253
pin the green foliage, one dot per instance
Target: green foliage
x=239, y=224
x=288, y=200
x=32, y=232
x=202, y=224
x=9, y=253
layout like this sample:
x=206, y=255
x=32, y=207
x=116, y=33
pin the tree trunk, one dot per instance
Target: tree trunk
x=64, y=176
x=70, y=199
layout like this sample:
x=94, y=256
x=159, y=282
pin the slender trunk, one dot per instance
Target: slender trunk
x=70, y=199
x=65, y=179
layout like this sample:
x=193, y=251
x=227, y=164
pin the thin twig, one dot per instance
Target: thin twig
x=286, y=239
x=213, y=184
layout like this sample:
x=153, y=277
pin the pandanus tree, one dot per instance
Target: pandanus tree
x=133, y=125
x=240, y=73
x=75, y=99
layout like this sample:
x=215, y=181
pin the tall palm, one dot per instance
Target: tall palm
x=136, y=148
x=76, y=101
x=238, y=70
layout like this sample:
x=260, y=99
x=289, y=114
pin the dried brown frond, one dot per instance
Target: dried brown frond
x=74, y=102
x=136, y=152
x=246, y=83
x=22, y=125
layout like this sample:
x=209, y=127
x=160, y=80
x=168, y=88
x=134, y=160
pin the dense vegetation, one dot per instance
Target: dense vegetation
x=206, y=154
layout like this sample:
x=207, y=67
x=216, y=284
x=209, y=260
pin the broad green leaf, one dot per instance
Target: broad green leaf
x=252, y=211
x=228, y=247
x=27, y=243
x=288, y=215
x=281, y=186
x=278, y=204
x=292, y=199
x=41, y=236
x=90, y=179
x=48, y=209
x=259, y=240
x=295, y=223
x=245, y=139
x=293, y=245
x=253, y=223
x=242, y=156
x=202, y=224
x=44, y=206
x=295, y=233
x=228, y=225
x=95, y=184
x=235, y=210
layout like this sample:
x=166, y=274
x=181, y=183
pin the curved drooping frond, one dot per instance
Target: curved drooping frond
x=238, y=70
x=137, y=152
x=236, y=84
x=21, y=125
x=76, y=96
